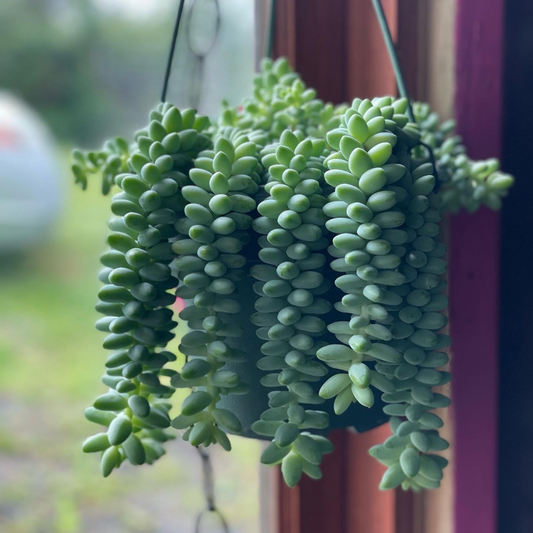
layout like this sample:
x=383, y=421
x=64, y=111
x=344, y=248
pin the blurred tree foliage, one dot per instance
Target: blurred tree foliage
x=88, y=73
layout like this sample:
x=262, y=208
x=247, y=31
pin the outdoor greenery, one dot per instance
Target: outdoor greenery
x=80, y=69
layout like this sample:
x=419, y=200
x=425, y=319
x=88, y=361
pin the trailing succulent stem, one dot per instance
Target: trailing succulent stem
x=466, y=183
x=385, y=216
x=111, y=160
x=134, y=300
x=209, y=265
x=295, y=194
x=289, y=306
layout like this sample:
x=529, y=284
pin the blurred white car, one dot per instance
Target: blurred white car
x=30, y=177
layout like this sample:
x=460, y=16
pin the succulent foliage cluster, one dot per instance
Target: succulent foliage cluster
x=334, y=212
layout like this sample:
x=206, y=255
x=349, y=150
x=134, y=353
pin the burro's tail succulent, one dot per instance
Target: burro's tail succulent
x=334, y=213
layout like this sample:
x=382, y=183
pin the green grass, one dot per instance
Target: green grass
x=51, y=361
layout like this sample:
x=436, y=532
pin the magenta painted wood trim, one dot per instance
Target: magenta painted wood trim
x=474, y=321
x=474, y=273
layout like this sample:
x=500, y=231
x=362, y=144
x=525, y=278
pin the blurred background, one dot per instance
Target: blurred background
x=72, y=73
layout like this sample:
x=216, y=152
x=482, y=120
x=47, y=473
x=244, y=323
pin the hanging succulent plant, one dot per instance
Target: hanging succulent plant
x=333, y=214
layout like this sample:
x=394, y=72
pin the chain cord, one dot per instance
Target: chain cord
x=209, y=493
x=171, y=51
x=271, y=29
x=400, y=81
